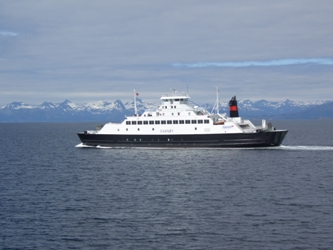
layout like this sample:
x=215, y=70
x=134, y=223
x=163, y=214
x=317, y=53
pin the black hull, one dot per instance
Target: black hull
x=259, y=139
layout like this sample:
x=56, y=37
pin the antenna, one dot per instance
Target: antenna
x=135, y=109
x=217, y=103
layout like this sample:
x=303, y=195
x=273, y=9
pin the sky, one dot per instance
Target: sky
x=87, y=51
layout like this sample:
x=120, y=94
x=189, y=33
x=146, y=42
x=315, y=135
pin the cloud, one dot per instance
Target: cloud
x=68, y=47
x=281, y=62
x=8, y=33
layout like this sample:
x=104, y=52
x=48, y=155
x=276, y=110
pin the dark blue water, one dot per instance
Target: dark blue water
x=54, y=195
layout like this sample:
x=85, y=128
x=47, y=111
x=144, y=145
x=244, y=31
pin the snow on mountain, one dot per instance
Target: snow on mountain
x=67, y=106
x=47, y=106
x=116, y=110
x=140, y=105
x=17, y=105
x=104, y=106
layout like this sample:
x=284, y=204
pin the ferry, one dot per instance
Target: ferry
x=177, y=123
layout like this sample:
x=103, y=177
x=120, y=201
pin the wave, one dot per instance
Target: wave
x=81, y=145
x=307, y=148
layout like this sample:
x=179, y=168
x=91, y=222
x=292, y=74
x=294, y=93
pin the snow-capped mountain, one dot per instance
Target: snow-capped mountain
x=103, y=111
x=140, y=105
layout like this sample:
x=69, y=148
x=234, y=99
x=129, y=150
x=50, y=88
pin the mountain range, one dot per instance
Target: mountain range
x=103, y=111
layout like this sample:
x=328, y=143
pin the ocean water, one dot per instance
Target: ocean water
x=54, y=195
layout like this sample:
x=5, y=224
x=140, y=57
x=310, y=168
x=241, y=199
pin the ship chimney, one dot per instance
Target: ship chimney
x=233, y=107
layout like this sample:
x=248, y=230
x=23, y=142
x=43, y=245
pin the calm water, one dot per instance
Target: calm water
x=54, y=195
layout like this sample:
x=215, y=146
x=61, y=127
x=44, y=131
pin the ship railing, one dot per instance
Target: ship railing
x=150, y=110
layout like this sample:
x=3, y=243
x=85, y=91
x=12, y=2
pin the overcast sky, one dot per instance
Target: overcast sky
x=87, y=51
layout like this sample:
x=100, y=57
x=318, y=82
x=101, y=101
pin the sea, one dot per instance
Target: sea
x=55, y=194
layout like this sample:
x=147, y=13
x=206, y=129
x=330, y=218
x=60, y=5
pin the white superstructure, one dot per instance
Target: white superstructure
x=175, y=116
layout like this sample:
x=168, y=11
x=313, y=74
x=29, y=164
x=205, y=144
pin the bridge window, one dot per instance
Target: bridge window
x=151, y=122
x=194, y=121
x=175, y=122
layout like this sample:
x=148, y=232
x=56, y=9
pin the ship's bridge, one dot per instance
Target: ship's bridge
x=176, y=99
x=175, y=102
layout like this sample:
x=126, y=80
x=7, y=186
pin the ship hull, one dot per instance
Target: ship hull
x=257, y=139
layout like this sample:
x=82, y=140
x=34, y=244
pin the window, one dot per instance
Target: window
x=151, y=122
x=206, y=121
x=163, y=122
x=157, y=122
x=128, y=123
x=194, y=122
x=200, y=121
x=169, y=122
x=187, y=121
x=181, y=122
x=139, y=122
x=145, y=122
x=133, y=122
x=175, y=122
